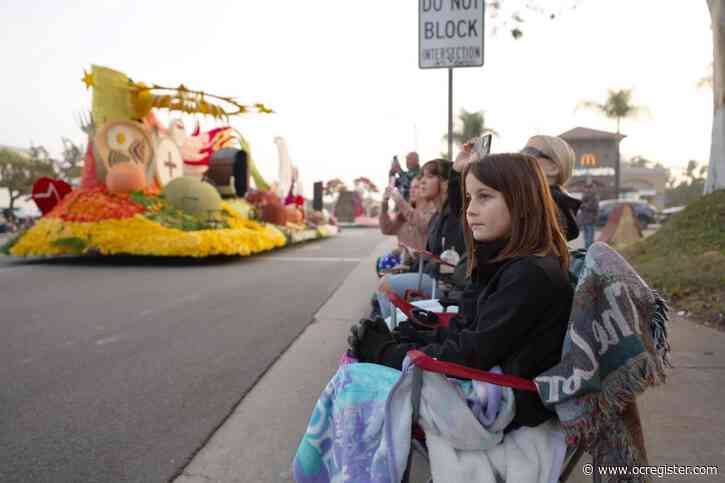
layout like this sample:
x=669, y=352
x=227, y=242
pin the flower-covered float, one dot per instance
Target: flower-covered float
x=149, y=189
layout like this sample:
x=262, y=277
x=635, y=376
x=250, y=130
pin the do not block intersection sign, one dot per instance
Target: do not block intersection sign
x=450, y=33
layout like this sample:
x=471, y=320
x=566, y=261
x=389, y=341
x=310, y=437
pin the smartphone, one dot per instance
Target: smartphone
x=482, y=146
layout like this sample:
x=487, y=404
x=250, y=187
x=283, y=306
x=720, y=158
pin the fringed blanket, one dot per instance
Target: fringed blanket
x=360, y=431
x=616, y=347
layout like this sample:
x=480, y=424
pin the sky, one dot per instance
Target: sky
x=344, y=81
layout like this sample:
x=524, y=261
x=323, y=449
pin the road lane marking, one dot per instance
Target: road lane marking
x=311, y=259
x=13, y=269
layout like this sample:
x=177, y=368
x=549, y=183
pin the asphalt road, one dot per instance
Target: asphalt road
x=119, y=370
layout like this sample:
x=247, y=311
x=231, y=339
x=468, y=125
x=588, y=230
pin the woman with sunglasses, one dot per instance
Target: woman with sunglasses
x=556, y=159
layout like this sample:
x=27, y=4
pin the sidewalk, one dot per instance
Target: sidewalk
x=684, y=422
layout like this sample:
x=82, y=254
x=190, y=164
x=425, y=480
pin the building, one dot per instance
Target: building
x=644, y=184
x=596, y=154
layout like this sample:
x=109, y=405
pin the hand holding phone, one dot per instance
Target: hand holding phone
x=482, y=146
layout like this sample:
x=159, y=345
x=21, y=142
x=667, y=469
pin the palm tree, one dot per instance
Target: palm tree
x=618, y=106
x=470, y=125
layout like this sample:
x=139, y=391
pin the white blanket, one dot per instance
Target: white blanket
x=460, y=448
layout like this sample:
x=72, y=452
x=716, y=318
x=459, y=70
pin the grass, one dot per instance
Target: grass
x=685, y=260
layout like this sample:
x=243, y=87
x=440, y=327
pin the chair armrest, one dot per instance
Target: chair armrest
x=443, y=318
x=427, y=363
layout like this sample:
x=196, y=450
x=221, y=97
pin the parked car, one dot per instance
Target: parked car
x=645, y=213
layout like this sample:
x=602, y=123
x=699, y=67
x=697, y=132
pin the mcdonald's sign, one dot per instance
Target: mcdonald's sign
x=589, y=159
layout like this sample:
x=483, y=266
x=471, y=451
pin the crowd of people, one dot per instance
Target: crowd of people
x=504, y=220
x=509, y=218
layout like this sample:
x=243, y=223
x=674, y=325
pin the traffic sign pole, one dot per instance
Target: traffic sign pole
x=450, y=114
x=450, y=35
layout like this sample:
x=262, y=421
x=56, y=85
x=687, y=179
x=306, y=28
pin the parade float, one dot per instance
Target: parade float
x=150, y=189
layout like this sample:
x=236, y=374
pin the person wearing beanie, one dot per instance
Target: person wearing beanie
x=556, y=159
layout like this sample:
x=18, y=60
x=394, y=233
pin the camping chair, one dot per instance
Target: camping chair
x=423, y=362
x=413, y=294
x=649, y=337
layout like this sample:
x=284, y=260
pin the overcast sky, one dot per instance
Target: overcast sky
x=344, y=79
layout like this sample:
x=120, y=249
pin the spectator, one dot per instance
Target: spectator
x=403, y=179
x=410, y=223
x=515, y=309
x=433, y=186
x=556, y=158
x=588, y=213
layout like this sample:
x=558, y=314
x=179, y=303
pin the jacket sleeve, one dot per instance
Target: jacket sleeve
x=503, y=319
x=388, y=225
x=415, y=218
x=455, y=198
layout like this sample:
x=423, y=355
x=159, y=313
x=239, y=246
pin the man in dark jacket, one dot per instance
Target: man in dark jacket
x=403, y=179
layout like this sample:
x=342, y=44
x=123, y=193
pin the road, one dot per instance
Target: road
x=119, y=370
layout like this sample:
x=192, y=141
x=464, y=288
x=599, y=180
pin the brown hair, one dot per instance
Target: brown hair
x=438, y=167
x=442, y=169
x=535, y=229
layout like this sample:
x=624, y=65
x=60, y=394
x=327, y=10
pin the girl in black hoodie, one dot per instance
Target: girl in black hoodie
x=516, y=304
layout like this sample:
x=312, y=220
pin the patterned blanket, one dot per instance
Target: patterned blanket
x=360, y=431
x=615, y=347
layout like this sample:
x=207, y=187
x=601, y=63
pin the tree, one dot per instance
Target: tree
x=71, y=166
x=689, y=189
x=365, y=185
x=638, y=162
x=333, y=186
x=470, y=125
x=511, y=15
x=618, y=105
x=716, y=167
x=19, y=172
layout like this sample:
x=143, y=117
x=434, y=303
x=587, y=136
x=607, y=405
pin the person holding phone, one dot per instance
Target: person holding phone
x=410, y=221
x=403, y=179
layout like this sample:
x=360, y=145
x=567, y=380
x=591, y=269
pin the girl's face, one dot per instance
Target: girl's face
x=429, y=186
x=487, y=213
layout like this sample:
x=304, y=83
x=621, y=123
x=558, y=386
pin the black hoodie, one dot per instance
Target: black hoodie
x=514, y=314
x=568, y=207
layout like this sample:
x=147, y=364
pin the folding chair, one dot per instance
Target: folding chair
x=423, y=362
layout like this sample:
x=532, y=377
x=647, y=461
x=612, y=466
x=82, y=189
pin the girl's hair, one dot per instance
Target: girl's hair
x=438, y=167
x=535, y=228
x=442, y=169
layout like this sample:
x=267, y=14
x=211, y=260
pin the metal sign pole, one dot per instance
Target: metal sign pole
x=450, y=114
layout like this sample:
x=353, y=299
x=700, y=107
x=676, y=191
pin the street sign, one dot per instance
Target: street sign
x=450, y=33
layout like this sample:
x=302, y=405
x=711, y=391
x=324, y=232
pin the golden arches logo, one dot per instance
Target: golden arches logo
x=589, y=159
